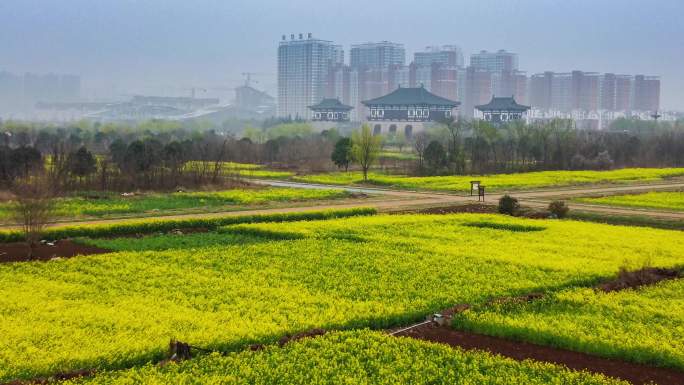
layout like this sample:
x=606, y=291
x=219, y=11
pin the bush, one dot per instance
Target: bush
x=558, y=209
x=603, y=161
x=508, y=205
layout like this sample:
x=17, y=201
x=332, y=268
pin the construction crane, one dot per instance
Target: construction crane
x=248, y=77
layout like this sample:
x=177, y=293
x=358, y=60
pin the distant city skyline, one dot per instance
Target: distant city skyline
x=127, y=46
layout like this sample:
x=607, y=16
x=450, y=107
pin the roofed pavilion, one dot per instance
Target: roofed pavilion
x=502, y=109
x=330, y=110
x=407, y=108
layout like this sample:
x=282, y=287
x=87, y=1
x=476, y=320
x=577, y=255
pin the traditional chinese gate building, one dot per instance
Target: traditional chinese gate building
x=502, y=110
x=407, y=110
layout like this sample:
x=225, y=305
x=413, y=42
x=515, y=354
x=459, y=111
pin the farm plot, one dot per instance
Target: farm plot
x=113, y=204
x=499, y=182
x=233, y=169
x=652, y=200
x=359, y=357
x=643, y=325
x=254, y=283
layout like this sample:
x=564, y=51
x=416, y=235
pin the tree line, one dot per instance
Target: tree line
x=478, y=147
x=168, y=155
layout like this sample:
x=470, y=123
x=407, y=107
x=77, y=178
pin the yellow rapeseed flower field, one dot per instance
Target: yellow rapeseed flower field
x=255, y=283
x=652, y=200
x=498, y=182
x=358, y=357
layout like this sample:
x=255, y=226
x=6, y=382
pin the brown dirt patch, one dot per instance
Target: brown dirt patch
x=642, y=277
x=307, y=334
x=473, y=208
x=57, y=377
x=18, y=251
x=519, y=299
x=634, y=373
x=480, y=208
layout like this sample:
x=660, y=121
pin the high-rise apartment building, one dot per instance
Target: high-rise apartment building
x=607, y=88
x=478, y=86
x=623, y=93
x=447, y=55
x=591, y=91
x=311, y=70
x=510, y=83
x=379, y=55
x=498, y=61
x=304, y=65
x=440, y=70
x=541, y=86
x=585, y=91
x=646, y=93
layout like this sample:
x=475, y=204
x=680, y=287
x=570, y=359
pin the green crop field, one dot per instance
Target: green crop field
x=113, y=204
x=499, y=182
x=246, y=170
x=227, y=165
x=254, y=283
x=359, y=357
x=396, y=155
x=651, y=200
x=645, y=325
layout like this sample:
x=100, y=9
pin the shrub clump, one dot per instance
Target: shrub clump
x=508, y=205
x=558, y=209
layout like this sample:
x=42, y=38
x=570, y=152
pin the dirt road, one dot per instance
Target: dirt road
x=398, y=200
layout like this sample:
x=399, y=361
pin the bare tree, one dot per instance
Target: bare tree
x=420, y=143
x=365, y=148
x=218, y=163
x=33, y=207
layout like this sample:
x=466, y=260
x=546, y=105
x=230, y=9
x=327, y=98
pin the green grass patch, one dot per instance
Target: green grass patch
x=121, y=309
x=396, y=155
x=360, y=357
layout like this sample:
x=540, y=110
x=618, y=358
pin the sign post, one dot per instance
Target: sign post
x=474, y=186
x=480, y=193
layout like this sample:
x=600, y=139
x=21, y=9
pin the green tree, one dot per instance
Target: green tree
x=81, y=162
x=24, y=160
x=435, y=156
x=342, y=153
x=365, y=148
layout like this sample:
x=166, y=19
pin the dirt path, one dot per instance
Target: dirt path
x=632, y=372
x=397, y=200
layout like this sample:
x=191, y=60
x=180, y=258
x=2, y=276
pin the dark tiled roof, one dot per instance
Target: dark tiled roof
x=331, y=104
x=502, y=104
x=411, y=96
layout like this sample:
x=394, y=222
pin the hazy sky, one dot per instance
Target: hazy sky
x=133, y=46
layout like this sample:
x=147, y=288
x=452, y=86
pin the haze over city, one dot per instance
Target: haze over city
x=325, y=192
x=167, y=47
